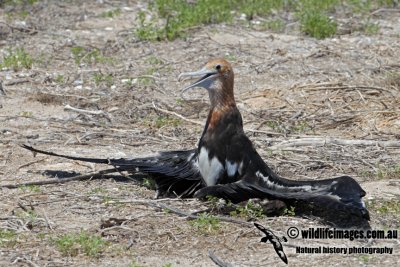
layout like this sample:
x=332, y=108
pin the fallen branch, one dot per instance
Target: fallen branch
x=84, y=111
x=339, y=86
x=217, y=260
x=2, y=92
x=177, y=115
x=18, y=81
x=385, y=10
x=321, y=141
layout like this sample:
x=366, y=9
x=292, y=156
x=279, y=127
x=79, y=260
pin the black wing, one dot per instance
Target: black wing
x=341, y=193
x=173, y=171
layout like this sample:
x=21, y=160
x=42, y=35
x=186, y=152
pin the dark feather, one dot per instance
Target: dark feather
x=173, y=171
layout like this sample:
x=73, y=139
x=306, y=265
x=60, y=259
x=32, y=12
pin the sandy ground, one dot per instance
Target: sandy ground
x=289, y=88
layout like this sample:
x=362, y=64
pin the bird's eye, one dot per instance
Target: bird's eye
x=218, y=67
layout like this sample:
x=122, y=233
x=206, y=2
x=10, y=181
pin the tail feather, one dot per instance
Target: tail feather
x=173, y=171
x=93, y=160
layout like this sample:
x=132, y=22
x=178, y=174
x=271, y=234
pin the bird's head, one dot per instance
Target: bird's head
x=217, y=78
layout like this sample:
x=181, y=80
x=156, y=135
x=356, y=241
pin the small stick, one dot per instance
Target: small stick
x=217, y=260
x=92, y=112
x=30, y=163
x=18, y=81
x=177, y=115
x=334, y=141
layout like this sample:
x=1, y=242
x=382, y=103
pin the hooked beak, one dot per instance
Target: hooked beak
x=206, y=77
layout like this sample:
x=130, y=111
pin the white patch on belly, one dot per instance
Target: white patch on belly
x=231, y=168
x=210, y=170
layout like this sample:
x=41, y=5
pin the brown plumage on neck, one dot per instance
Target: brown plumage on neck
x=218, y=79
x=221, y=95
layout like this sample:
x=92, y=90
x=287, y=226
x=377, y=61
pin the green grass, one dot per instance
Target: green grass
x=364, y=258
x=301, y=127
x=274, y=25
x=29, y=217
x=162, y=121
x=385, y=207
x=250, y=211
x=17, y=59
x=145, y=81
x=148, y=30
x=20, y=8
x=98, y=190
x=17, y=2
x=100, y=78
x=22, y=2
x=393, y=79
x=8, y=238
x=230, y=57
x=30, y=188
x=387, y=172
x=170, y=19
x=206, y=223
x=59, y=79
x=88, y=56
x=371, y=28
x=179, y=101
x=179, y=16
x=152, y=60
x=382, y=172
x=111, y=13
x=317, y=25
x=289, y=211
x=82, y=243
x=149, y=183
x=135, y=264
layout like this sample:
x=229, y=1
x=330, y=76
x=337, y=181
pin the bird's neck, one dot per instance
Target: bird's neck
x=221, y=95
x=223, y=122
x=222, y=114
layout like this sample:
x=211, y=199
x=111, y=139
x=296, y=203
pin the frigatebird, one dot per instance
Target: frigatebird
x=225, y=164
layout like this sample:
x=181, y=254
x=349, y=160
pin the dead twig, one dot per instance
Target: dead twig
x=217, y=260
x=30, y=163
x=394, y=10
x=321, y=141
x=84, y=111
x=176, y=115
x=339, y=86
x=2, y=92
x=18, y=81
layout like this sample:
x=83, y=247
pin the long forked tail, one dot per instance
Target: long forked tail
x=173, y=171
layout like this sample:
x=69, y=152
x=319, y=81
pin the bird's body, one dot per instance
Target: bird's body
x=226, y=164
